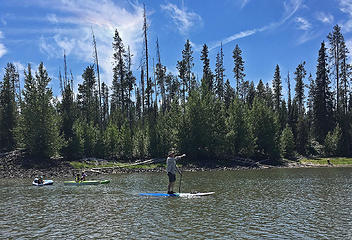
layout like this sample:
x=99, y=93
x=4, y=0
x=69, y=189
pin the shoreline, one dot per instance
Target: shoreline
x=16, y=165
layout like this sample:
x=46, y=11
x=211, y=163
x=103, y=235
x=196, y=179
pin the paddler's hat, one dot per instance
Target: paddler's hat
x=172, y=152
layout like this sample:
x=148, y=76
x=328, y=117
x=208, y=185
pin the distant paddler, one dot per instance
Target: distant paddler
x=171, y=170
x=78, y=178
x=81, y=177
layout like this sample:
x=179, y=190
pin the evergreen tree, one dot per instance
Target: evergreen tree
x=68, y=114
x=345, y=73
x=238, y=68
x=39, y=120
x=219, y=74
x=269, y=98
x=138, y=104
x=338, y=56
x=332, y=142
x=105, y=104
x=283, y=115
x=299, y=89
x=229, y=94
x=8, y=108
x=238, y=137
x=207, y=79
x=310, y=102
x=311, y=93
x=244, y=90
x=263, y=129
x=204, y=126
x=277, y=87
x=170, y=129
x=301, y=135
x=185, y=68
x=323, y=98
x=287, y=144
x=119, y=74
x=260, y=92
x=341, y=72
x=251, y=94
x=129, y=84
x=87, y=97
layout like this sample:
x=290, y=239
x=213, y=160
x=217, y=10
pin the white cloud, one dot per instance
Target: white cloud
x=52, y=18
x=76, y=37
x=325, y=17
x=3, y=49
x=290, y=8
x=303, y=24
x=183, y=19
x=19, y=66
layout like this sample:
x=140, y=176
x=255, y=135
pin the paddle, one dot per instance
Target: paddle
x=179, y=187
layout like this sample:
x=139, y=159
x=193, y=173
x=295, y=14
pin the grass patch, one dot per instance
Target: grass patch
x=324, y=161
x=80, y=165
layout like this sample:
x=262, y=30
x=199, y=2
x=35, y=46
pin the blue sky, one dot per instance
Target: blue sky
x=269, y=32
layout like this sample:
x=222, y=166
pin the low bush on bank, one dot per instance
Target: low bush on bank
x=325, y=161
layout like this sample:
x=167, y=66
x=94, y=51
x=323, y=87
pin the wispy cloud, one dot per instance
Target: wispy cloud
x=104, y=17
x=303, y=23
x=234, y=37
x=308, y=35
x=244, y=3
x=3, y=49
x=346, y=7
x=349, y=44
x=290, y=8
x=325, y=17
x=182, y=18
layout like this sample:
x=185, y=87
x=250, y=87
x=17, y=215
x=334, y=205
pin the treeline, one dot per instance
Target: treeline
x=207, y=119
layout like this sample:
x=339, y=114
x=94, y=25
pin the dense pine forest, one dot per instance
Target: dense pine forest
x=145, y=116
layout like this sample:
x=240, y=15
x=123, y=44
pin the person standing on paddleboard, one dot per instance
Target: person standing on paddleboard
x=171, y=170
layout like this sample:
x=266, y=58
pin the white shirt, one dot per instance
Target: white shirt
x=171, y=165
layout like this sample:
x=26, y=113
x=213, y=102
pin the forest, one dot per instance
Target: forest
x=145, y=116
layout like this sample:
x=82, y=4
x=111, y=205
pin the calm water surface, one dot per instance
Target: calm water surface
x=248, y=204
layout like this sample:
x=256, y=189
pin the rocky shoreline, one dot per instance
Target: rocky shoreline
x=16, y=164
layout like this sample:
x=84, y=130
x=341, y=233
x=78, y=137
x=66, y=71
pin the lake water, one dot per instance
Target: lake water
x=247, y=204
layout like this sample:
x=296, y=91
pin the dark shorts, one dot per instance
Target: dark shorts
x=172, y=177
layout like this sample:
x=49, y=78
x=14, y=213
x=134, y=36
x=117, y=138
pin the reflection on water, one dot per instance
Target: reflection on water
x=249, y=204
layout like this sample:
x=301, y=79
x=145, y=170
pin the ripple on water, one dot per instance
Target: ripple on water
x=252, y=204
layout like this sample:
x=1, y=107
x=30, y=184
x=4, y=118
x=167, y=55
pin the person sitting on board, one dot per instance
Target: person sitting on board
x=84, y=175
x=78, y=177
x=171, y=170
x=40, y=180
